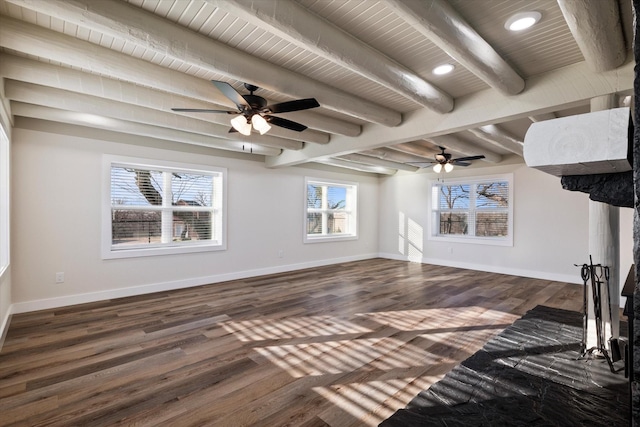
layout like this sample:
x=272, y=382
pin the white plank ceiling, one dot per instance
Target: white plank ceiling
x=121, y=65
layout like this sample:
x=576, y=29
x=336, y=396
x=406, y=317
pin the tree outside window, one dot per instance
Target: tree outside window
x=159, y=207
x=330, y=209
x=470, y=209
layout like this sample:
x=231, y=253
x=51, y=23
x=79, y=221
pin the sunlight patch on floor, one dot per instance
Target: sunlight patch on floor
x=434, y=318
x=335, y=357
x=295, y=327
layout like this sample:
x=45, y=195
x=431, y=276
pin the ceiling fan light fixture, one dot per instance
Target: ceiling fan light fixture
x=241, y=124
x=448, y=167
x=522, y=20
x=437, y=168
x=260, y=124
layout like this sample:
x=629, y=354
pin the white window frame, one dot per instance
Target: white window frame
x=168, y=248
x=434, y=223
x=351, y=208
x=5, y=188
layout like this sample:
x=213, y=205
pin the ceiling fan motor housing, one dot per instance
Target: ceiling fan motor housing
x=255, y=102
x=443, y=157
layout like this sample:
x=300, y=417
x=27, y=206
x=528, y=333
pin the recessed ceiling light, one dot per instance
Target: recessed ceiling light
x=522, y=21
x=443, y=69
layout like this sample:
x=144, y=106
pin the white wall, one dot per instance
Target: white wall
x=5, y=277
x=56, y=223
x=550, y=225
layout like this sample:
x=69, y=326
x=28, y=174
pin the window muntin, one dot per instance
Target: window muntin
x=157, y=209
x=330, y=210
x=477, y=211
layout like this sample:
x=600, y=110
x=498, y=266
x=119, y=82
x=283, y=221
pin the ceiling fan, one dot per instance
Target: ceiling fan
x=253, y=110
x=444, y=161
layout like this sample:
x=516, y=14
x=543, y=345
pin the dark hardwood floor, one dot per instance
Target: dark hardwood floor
x=343, y=345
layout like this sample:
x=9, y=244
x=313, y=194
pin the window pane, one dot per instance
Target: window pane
x=336, y=197
x=314, y=223
x=331, y=210
x=454, y=197
x=136, y=187
x=492, y=224
x=492, y=195
x=191, y=226
x=192, y=190
x=454, y=223
x=337, y=223
x=134, y=227
x=314, y=196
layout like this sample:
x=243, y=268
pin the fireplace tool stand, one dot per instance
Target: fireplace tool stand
x=598, y=275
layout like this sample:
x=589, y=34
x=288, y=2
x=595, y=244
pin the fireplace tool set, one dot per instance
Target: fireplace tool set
x=598, y=276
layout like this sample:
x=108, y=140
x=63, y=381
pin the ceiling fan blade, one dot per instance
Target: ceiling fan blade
x=284, y=123
x=297, y=105
x=232, y=130
x=459, y=163
x=464, y=159
x=200, y=110
x=228, y=91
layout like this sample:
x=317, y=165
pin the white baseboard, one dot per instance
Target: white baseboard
x=534, y=274
x=4, y=326
x=67, y=300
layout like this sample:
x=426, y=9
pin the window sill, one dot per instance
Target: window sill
x=324, y=239
x=489, y=241
x=158, y=251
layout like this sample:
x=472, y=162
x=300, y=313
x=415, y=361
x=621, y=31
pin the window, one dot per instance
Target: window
x=157, y=208
x=4, y=201
x=330, y=212
x=473, y=211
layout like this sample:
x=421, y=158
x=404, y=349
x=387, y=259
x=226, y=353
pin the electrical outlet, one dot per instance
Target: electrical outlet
x=60, y=277
x=280, y=253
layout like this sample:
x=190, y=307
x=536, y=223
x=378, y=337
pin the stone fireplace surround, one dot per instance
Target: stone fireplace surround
x=635, y=339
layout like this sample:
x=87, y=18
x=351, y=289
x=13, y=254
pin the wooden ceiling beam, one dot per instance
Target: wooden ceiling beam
x=295, y=24
x=498, y=137
x=447, y=29
x=100, y=122
x=361, y=167
x=566, y=87
x=376, y=161
x=596, y=27
x=119, y=68
x=158, y=35
x=29, y=93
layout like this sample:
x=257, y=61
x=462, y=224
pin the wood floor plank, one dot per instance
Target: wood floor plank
x=341, y=345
